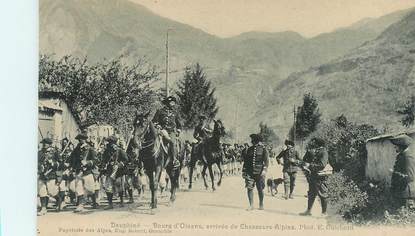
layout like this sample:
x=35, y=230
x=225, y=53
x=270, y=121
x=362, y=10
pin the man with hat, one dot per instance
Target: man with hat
x=403, y=173
x=114, y=163
x=291, y=161
x=254, y=170
x=82, y=162
x=316, y=160
x=48, y=163
x=167, y=119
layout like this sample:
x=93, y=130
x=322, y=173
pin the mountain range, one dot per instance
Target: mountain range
x=252, y=71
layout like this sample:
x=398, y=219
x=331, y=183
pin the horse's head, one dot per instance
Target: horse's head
x=218, y=128
x=140, y=122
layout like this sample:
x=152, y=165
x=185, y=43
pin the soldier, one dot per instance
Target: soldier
x=168, y=120
x=291, y=160
x=316, y=161
x=403, y=173
x=61, y=172
x=82, y=162
x=114, y=161
x=48, y=163
x=254, y=170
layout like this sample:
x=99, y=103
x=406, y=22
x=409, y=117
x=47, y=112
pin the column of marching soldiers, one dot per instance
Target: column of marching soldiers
x=62, y=167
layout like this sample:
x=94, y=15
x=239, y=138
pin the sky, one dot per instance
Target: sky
x=226, y=18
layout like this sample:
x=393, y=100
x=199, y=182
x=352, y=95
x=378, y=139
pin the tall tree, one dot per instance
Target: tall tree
x=407, y=110
x=196, y=96
x=307, y=117
x=268, y=134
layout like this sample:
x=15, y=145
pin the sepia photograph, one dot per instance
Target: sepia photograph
x=238, y=117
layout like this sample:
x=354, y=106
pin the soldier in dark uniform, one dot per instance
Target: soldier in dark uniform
x=403, y=173
x=168, y=120
x=48, y=163
x=254, y=170
x=114, y=161
x=82, y=162
x=291, y=160
x=316, y=159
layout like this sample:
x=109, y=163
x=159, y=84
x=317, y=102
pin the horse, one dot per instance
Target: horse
x=209, y=152
x=148, y=145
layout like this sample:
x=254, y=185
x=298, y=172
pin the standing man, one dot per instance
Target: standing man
x=255, y=169
x=48, y=163
x=316, y=161
x=82, y=162
x=114, y=161
x=291, y=161
x=168, y=120
x=403, y=173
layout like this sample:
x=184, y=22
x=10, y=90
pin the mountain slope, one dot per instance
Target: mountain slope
x=244, y=68
x=366, y=84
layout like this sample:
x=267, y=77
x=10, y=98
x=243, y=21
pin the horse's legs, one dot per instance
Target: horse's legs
x=220, y=173
x=151, y=181
x=204, y=175
x=212, y=177
x=191, y=167
x=157, y=176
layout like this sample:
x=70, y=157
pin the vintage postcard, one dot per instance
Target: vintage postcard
x=239, y=117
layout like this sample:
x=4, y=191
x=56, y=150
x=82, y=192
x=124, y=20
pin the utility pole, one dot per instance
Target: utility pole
x=167, y=63
x=236, y=120
x=295, y=121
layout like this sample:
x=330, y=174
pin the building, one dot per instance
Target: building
x=55, y=118
x=381, y=156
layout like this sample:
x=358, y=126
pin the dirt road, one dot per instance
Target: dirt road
x=200, y=212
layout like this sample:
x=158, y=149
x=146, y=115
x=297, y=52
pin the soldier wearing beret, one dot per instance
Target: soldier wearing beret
x=254, y=169
x=167, y=119
x=316, y=159
x=291, y=161
x=82, y=162
x=48, y=164
x=403, y=173
x=114, y=168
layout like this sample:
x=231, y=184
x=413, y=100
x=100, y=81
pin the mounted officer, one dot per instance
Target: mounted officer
x=114, y=161
x=255, y=169
x=48, y=163
x=82, y=162
x=167, y=119
x=291, y=161
x=201, y=133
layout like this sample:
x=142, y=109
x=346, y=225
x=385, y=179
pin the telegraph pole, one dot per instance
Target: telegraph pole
x=294, y=128
x=167, y=63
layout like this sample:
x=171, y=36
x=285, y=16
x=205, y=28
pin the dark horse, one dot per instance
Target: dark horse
x=147, y=144
x=209, y=152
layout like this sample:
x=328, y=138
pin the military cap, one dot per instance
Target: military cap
x=112, y=139
x=169, y=99
x=402, y=140
x=289, y=142
x=82, y=135
x=256, y=137
x=46, y=141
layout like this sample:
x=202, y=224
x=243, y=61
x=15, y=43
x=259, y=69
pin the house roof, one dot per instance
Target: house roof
x=388, y=136
x=48, y=104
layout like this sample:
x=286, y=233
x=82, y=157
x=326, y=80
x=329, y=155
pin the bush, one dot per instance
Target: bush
x=403, y=216
x=345, y=197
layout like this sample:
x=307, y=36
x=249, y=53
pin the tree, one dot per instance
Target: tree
x=106, y=92
x=307, y=117
x=196, y=96
x=408, y=112
x=346, y=145
x=268, y=134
